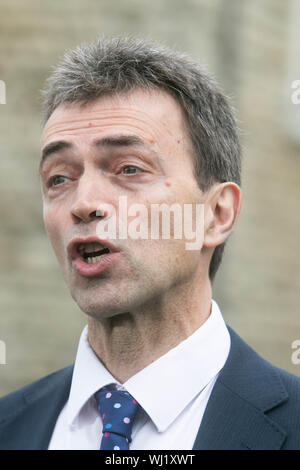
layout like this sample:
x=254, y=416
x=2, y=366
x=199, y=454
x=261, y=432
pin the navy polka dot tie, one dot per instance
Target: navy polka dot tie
x=118, y=410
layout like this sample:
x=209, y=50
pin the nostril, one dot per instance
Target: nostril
x=97, y=213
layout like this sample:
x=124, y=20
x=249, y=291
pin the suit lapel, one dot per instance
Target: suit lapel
x=232, y=423
x=246, y=389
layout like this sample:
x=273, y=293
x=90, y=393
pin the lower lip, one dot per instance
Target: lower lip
x=90, y=270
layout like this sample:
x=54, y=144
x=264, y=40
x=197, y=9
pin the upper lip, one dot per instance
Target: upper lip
x=72, y=247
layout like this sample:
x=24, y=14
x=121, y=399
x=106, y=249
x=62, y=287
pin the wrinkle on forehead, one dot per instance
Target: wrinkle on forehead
x=163, y=119
x=89, y=125
x=97, y=118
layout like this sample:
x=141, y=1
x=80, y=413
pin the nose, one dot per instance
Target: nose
x=89, y=196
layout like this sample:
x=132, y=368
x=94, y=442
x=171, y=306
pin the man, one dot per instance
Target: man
x=156, y=367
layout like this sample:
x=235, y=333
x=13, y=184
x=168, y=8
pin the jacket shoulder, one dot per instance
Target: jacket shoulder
x=272, y=390
x=13, y=402
x=291, y=381
x=287, y=415
x=255, y=376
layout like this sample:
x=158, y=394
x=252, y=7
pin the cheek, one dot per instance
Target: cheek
x=54, y=225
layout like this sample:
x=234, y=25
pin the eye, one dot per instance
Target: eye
x=57, y=180
x=130, y=170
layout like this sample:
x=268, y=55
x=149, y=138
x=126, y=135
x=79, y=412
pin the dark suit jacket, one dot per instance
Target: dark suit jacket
x=253, y=405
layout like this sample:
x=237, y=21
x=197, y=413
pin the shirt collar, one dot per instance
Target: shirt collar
x=166, y=386
x=89, y=375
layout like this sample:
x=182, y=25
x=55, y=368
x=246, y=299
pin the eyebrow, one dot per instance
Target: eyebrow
x=113, y=141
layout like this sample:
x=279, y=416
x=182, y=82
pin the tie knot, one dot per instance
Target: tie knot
x=118, y=410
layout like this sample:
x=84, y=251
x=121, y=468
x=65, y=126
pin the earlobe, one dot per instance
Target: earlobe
x=221, y=212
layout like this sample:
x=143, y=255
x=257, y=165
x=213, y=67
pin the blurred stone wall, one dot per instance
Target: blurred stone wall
x=245, y=44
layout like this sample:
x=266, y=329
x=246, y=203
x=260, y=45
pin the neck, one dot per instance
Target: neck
x=128, y=342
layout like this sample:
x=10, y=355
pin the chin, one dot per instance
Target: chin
x=99, y=308
x=93, y=308
x=111, y=299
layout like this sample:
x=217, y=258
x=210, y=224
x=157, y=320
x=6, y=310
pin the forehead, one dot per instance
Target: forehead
x=153, y=115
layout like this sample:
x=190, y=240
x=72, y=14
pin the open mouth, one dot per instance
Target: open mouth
x=91, y=256
x=92, y=253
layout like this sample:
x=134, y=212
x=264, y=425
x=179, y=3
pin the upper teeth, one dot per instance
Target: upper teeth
x=87, y=248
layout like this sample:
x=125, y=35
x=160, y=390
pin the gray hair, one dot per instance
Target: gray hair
x=120, y=65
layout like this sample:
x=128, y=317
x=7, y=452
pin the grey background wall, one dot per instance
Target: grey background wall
x=247, y=45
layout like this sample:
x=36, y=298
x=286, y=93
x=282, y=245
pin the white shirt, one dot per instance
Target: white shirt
x=173, y=392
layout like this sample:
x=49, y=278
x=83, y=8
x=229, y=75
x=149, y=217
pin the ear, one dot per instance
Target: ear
x=221, y=210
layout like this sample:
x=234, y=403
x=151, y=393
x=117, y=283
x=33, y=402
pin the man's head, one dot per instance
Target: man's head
x=179, y=141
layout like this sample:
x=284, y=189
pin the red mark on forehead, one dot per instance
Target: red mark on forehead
x=167, y=183
x=90, y=124
x=178, y=141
